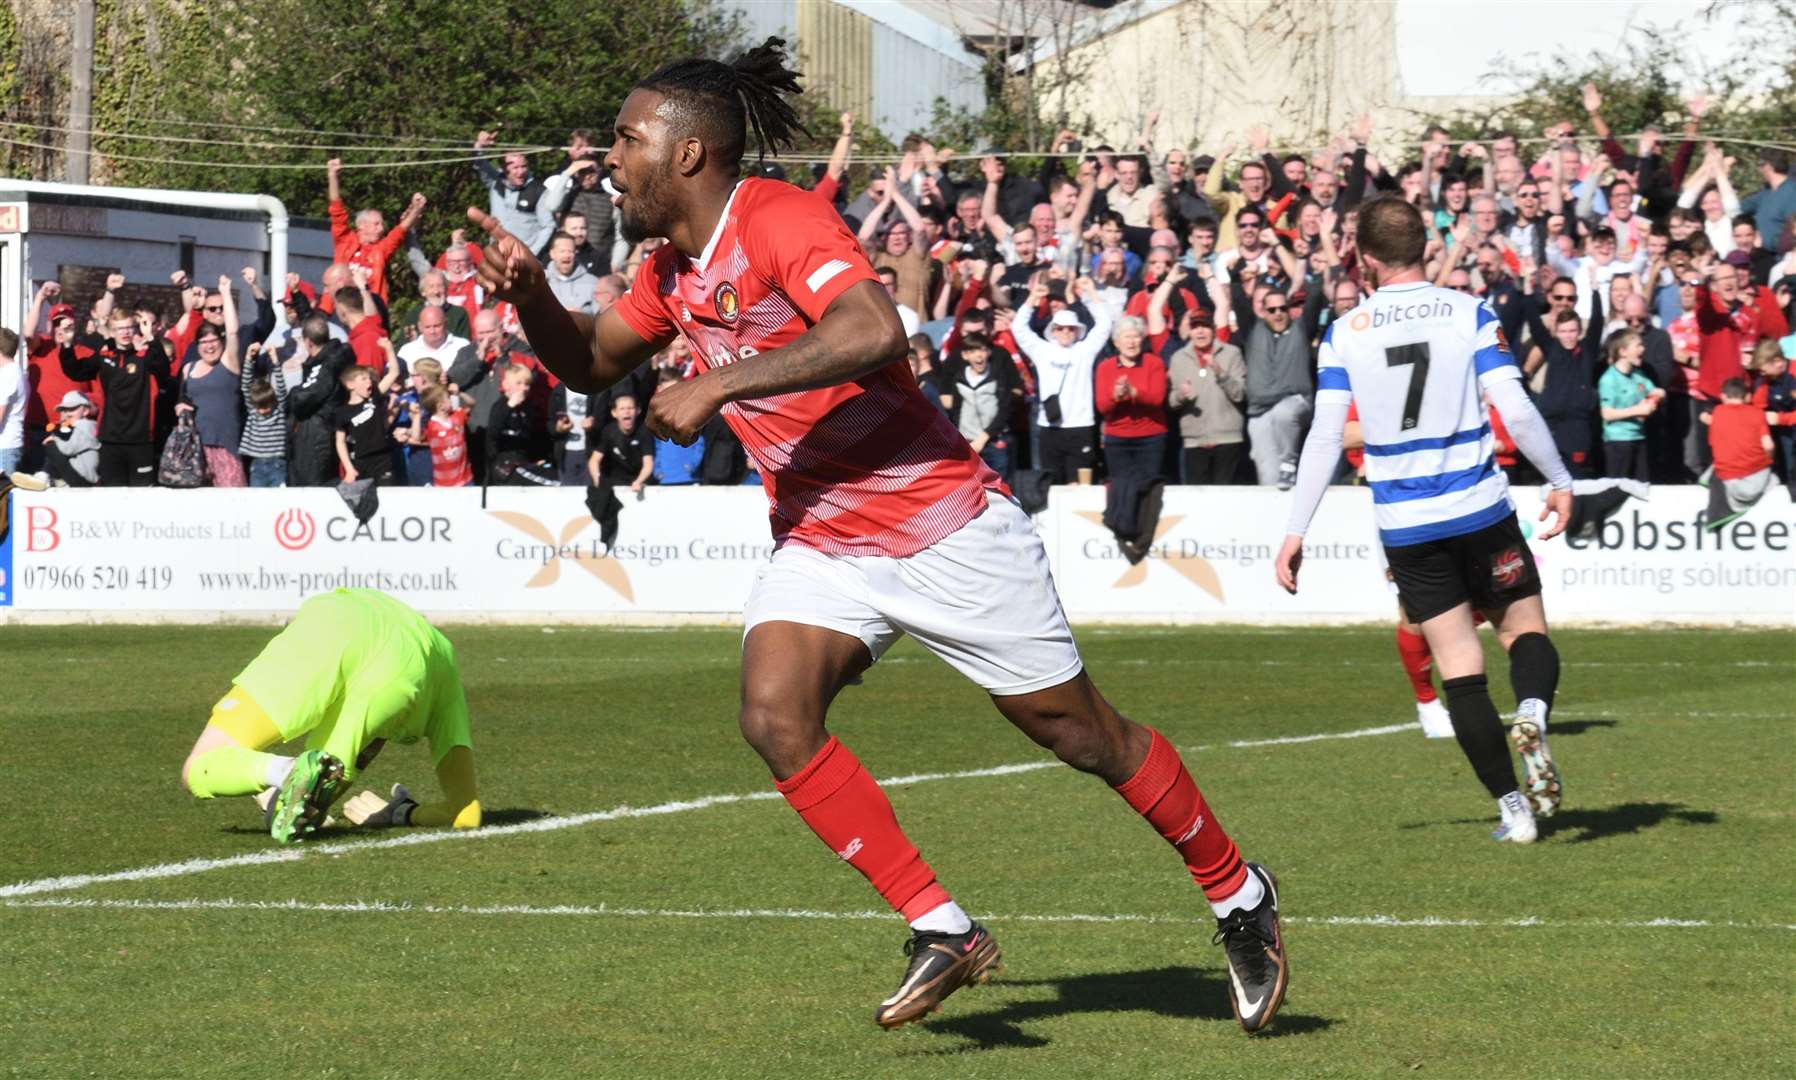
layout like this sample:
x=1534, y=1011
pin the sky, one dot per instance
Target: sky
x=1436, y=55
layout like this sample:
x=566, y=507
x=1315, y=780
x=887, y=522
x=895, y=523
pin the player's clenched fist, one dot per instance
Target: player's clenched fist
x=678, y=411
x=507, y=268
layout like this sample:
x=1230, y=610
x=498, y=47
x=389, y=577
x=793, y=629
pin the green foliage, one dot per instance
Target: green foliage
x=1648, y=82
x=400, y=76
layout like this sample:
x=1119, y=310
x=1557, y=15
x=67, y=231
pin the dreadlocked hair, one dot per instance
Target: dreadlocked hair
x=722, y=101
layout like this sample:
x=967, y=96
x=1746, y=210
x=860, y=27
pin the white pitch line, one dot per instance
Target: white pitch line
x=569, y=821
x=386, y=907
x=555, y=823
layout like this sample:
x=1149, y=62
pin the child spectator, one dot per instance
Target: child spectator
x=415, y=463
x=509, y=434
x=978, y=394
x=264, y=420
x=446, y=435
x=72, y=447
x=363, y=449
x=1627, y=397
x=1740, y=443
x=1774, y=391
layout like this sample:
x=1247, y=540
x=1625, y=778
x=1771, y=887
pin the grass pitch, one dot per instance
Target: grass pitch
x=1650, y=933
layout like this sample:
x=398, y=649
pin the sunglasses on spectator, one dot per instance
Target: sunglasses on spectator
x=1270, y=308
x=1563, y=298
x=1527, y=194
x=1691, y=281
x=1250, y=223
x=213, y=307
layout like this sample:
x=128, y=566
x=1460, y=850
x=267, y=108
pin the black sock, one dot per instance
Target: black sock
x=1480, y=733
x=1534, y=668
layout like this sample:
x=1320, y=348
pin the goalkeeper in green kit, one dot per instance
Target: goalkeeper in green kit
x=353, y=670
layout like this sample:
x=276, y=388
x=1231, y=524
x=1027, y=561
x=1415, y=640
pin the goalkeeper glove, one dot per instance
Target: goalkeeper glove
x=371, y=811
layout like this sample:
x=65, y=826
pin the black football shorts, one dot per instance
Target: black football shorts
x=1490, y=568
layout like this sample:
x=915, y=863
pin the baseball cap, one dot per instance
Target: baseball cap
x=61, y=311
x=1788, y=344
x=1738, y=258
x=74, y=399
x=1202, y=163
x=1065, y=317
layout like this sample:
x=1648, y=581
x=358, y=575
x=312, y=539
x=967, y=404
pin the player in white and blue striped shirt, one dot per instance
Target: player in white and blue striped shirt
x=1420, y=360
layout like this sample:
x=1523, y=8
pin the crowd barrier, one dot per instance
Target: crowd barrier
x=686, y=554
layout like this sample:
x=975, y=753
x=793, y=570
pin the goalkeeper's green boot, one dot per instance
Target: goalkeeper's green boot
x=305, y=796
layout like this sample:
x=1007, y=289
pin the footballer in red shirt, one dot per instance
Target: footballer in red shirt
x=885, y=521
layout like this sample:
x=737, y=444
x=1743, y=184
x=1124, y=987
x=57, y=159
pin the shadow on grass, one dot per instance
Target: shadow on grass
x=1595, y=824
x=1621, y=820
x=1575, y=727
x=1180, y=993
x=509, y=816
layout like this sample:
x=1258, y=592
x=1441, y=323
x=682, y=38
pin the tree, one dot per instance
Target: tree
x=233, y=96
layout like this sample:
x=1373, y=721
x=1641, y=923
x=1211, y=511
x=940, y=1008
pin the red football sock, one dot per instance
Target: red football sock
x=1418, y=663
x=838, y=799
x=1163, y=792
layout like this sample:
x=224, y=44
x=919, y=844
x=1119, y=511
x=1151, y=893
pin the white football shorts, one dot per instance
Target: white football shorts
x=981, y=598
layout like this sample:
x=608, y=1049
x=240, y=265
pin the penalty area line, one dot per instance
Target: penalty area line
x=571, y=821
x=387, y=907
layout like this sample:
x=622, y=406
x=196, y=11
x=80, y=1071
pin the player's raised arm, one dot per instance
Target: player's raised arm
x=588, y=353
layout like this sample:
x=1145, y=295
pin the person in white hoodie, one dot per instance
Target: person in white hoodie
x=1065, y=360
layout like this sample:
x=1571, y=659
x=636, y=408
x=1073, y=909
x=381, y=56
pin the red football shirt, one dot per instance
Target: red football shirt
x=865, y=468
x=447, y=436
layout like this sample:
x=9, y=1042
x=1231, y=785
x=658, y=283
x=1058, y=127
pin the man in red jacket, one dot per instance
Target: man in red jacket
x=363, y=244
x=1732, y=316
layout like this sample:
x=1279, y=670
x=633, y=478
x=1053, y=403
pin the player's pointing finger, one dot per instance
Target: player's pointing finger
x=486, y=221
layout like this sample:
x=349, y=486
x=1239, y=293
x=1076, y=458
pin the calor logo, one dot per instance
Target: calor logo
x=294, y=529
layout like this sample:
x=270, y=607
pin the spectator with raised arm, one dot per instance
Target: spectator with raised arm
x=1732, y=317
x=1255, y=187
x=583, y=173
x=512, y=192
x=1280, y=388
x=42, y=367
x=898, y=248
x=1710, y=191
x=355, y=309
x=367, y=243
x=130, y=373
x=1572, y=350
x=265, y=423
x=211, y=389
x=1064, y=361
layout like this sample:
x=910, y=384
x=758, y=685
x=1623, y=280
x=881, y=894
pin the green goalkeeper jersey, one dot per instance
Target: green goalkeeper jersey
x=354, y=666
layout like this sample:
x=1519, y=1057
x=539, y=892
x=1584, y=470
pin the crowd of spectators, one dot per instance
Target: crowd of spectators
x=1123, y=315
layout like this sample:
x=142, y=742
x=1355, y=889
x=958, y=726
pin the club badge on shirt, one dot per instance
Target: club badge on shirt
x=729, y=305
